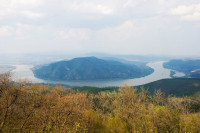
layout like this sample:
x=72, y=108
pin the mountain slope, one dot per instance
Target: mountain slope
x=190, y=67
x=89, y=68
x=176, y=86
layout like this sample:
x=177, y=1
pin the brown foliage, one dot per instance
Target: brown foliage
x=40, y=108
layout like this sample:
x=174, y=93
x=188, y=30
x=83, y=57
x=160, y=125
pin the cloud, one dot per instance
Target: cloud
x=182, y=10
x=187, y=13
x=89, y=7
x=75, y=34
x=31, y=15
x=25, y=3
x=129, y=3
x=6, y=31
x=123, y=32
x=10, y=9
x=104, y=9
x=192, y=17
x=197, y=25
x=113, y=26
x=26, y=31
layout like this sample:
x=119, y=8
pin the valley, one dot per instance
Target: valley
x=25, y=72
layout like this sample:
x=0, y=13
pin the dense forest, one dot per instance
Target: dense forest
x=41, y=108
x=170, y=87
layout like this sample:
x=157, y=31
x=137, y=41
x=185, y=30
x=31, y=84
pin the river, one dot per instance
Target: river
x=23, y=72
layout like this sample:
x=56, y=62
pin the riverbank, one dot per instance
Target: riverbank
x=24, y=72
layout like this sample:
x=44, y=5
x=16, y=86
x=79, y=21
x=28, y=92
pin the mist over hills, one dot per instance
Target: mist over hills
x=90, y=68
x=44, y=58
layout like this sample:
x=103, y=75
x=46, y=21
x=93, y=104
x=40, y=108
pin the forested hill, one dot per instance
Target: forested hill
x=190, y=67
x=175, y=87
x=90, y=68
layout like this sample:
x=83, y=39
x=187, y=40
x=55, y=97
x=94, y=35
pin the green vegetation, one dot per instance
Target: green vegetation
x=176, y=87
x=190, y=67
x=42, y=108
x=90, y=68
x=95, y=90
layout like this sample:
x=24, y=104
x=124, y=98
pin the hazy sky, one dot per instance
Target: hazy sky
x=169, y=27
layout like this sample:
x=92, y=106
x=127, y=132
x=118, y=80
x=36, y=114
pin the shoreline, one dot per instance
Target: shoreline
x=24, y=72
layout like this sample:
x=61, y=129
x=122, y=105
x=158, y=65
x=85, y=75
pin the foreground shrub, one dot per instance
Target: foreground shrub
x=41, y=108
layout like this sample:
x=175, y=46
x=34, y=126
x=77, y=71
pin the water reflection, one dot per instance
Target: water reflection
x=178, y=74
x=24, y=72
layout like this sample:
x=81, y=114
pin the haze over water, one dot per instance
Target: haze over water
x=24, y=72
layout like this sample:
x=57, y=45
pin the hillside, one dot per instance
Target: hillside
x=175, y=86
x=195, y=73
x=55, y=109
x=189, y=67
x=90, y=68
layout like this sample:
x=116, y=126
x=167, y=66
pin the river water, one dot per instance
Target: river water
x=23, y=72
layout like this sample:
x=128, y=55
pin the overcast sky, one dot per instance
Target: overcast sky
x=164, y=27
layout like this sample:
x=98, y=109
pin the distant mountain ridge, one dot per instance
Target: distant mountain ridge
x=89, y=68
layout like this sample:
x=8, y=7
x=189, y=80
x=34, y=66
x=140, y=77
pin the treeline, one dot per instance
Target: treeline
x=41, y=108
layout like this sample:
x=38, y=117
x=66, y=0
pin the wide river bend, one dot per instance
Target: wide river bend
x=23, y=72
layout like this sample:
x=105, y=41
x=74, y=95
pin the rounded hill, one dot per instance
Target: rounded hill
x=90, y=68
